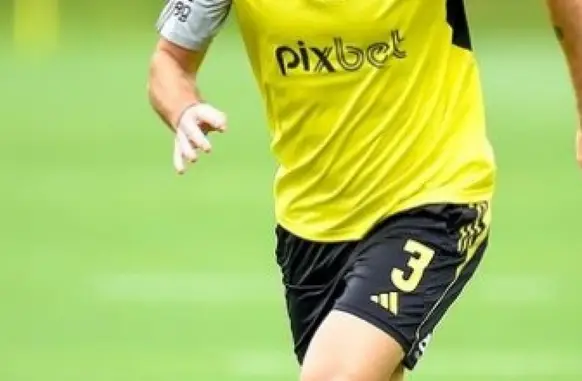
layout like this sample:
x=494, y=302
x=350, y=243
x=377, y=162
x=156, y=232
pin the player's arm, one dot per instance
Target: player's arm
x=186, y=29
x=172, y=80
x=567, y=18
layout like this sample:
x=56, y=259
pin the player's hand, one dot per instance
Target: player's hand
x=195, y=124
x=579, y=146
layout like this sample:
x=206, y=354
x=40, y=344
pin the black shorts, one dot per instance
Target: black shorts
x=401, y=277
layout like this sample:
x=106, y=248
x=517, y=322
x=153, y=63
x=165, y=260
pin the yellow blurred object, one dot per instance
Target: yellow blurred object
x=36, y=26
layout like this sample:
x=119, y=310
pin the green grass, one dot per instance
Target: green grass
x=88, y=195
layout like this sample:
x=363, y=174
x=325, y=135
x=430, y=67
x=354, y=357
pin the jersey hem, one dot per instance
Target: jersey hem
x=182, y=42
x=354, y=234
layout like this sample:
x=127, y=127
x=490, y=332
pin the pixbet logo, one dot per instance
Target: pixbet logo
x=318, y=59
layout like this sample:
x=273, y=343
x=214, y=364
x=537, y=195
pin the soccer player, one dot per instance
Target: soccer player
x=385, y=180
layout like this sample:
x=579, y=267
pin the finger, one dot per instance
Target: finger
x=196, y=136
x=207, y=129
x=178, y=159
x=211, y=116
x=188, y=152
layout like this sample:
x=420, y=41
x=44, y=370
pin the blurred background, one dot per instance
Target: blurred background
x=112, y=268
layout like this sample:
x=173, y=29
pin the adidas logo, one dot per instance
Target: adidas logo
x=388, y=301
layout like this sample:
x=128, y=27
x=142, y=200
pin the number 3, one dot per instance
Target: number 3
x=421, y=256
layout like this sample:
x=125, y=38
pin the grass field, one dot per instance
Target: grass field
x=114, y=269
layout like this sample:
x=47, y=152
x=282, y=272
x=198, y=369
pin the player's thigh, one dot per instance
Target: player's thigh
x=408, y=273
x=398, y=374
x=347, y=348
x=413, y=268
x=312, y=274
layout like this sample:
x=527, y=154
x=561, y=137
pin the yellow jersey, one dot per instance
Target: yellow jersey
x=374, y=107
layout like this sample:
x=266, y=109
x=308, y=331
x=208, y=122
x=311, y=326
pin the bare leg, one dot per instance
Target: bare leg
x=347, y=348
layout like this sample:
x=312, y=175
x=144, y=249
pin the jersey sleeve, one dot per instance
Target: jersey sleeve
x=192, y=24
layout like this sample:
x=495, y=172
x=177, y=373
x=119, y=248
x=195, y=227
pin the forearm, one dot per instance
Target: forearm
x=171, y=88
x=567, y=18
